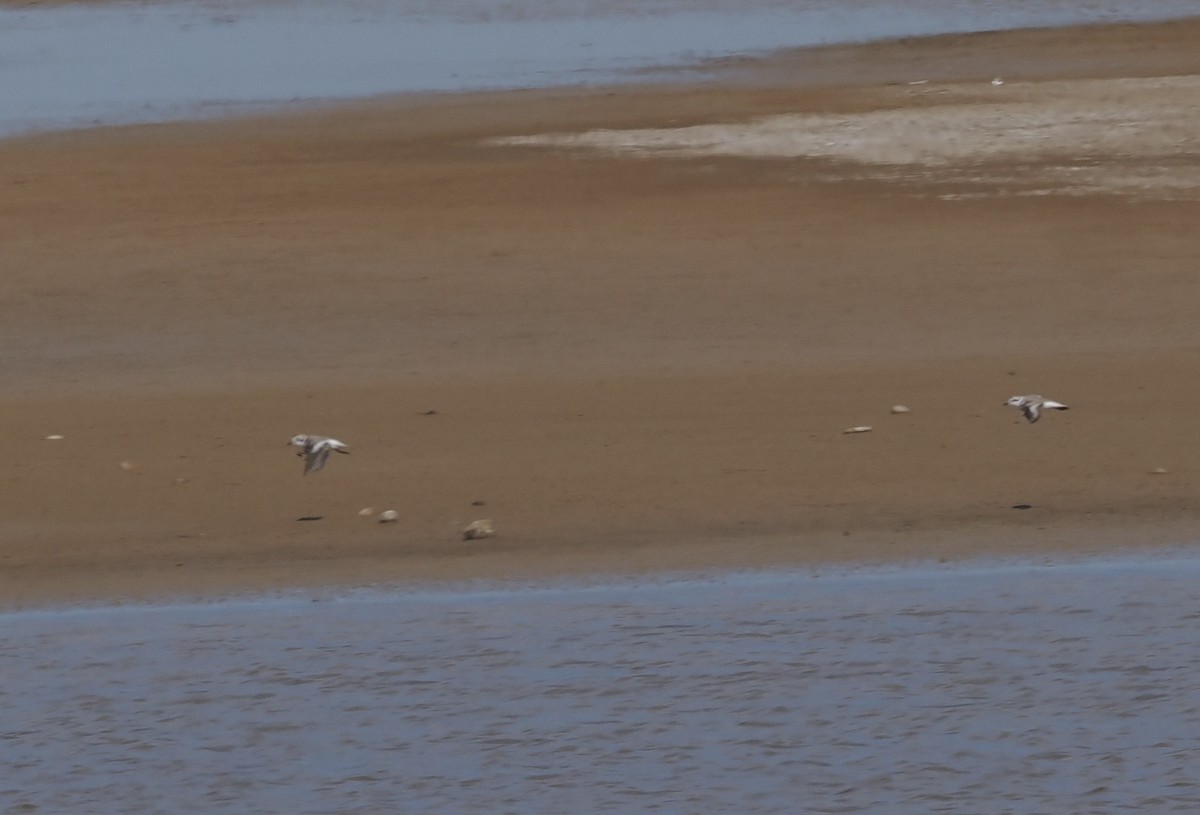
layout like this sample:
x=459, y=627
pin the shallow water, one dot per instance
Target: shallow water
x=993, y=689
x=80, y=66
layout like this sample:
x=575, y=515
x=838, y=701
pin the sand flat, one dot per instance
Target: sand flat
x=634, y=362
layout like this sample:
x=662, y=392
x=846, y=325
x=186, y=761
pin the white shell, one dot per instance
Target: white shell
x=54, y=437
x=900, y=409
x=1159, y=471
x=860, y=429
x=478, y=529
x=388, y=516
x=366, y=512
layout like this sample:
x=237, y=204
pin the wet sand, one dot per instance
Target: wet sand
x=629, y=362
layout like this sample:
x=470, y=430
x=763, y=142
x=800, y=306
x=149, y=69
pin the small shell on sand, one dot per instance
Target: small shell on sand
x=388, y=516
x=900, y=409
x=1159, y=471
x=127, y=465
x=478, y=529
x=54, y=437
x=366, y=512
x=860, y=429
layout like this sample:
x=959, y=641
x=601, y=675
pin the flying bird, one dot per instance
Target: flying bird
x=315, y=450
x=1031, y=405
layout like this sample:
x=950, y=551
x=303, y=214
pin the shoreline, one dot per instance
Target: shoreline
x=828, y=53
x=1117, y=555
x=638, y=364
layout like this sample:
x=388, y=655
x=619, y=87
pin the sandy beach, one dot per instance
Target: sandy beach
x=627, y=324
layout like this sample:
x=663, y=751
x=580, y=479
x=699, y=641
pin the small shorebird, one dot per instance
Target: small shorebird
x=315, y=450
x=1031, y=405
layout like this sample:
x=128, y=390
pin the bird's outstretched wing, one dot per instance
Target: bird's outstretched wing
x=315, y=458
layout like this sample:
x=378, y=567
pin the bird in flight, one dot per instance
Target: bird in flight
x=1031, y=405
x=316, y=449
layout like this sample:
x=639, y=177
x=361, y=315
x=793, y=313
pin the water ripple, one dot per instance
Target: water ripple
x=1014, y=689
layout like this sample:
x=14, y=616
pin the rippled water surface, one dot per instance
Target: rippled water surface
x=75, y=66
x=1023, y=689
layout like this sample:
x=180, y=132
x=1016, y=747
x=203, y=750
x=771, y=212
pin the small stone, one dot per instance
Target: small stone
x=478, y=529
x=997, y=81
x=860, y=429
x=901, y=409
x=55, y=437
x=388, y=516
x=1159, y=471
x=366, y=512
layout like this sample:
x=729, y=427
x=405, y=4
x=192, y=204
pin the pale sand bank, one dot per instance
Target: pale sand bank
x=1134, y=136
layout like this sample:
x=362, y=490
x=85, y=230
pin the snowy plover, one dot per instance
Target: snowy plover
x=1031, y=405
x=315, y=450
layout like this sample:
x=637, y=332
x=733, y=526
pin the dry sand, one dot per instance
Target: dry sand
x=630, y=360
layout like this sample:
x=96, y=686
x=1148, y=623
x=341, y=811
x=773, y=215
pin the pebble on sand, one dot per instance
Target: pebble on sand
x=388, y=516
x=1159, y=471
x=54, y=437
x=478, y=529
x=900, y=409
x=860, y=429
x=366, y=512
